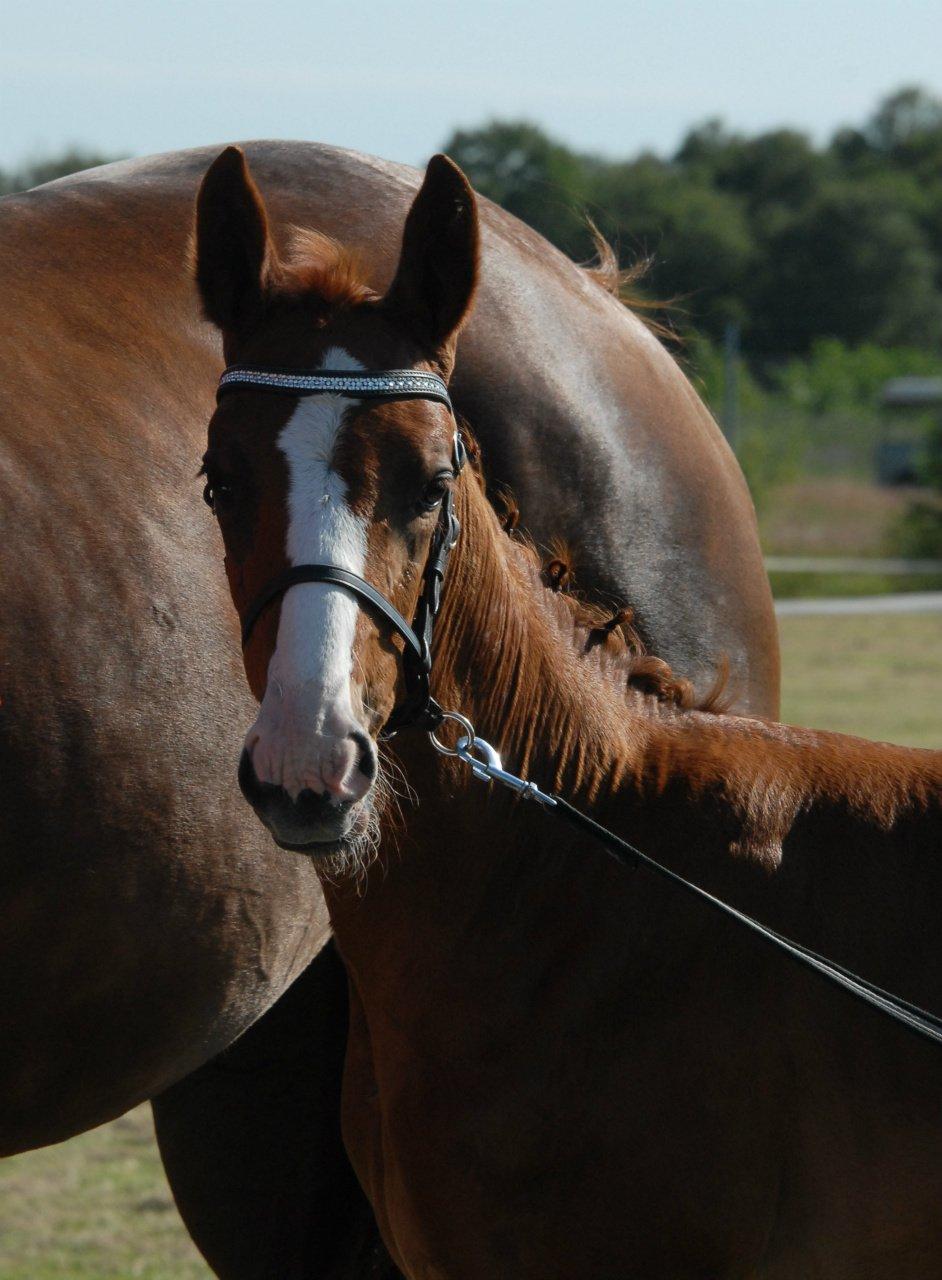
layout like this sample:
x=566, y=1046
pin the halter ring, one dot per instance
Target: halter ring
x=463, y=743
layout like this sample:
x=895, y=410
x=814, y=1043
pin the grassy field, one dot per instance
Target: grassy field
x=98, y=1208
x=95, y=1208
x=831, y=516
x=879, y=677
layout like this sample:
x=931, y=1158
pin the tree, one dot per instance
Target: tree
x=903, y=138
x=780, y=167
x=705, y=149
x=698, y=238
x=540, y=180
x=853, y=265
x=36, y=172
x=903, y=118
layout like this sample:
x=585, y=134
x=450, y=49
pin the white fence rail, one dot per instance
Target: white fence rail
x=850, y=564
x=904, y=602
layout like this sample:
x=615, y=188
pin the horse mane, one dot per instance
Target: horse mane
x=622, y=283
x=608, y=631
x=605, y=270
x=320, y=265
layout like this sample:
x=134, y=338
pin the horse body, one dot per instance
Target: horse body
x=638, y=1096
x=146, y=924
x=147, y=920
x=554, y=1068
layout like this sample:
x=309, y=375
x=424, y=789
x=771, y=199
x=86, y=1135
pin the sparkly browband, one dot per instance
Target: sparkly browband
x=399, y=383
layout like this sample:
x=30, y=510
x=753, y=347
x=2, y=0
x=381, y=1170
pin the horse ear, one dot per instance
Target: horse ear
x=434, y=286
x=235, y=255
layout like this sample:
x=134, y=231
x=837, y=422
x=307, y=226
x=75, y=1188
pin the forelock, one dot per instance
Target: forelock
x=319, y=266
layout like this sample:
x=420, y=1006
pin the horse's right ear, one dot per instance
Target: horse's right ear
x=235, y=255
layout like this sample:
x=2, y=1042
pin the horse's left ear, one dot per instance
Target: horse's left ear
x=438, y=269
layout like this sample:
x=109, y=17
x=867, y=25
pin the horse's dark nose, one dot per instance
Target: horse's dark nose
x=307, y=822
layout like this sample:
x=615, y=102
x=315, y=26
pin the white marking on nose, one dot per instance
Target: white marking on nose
x=301, y=737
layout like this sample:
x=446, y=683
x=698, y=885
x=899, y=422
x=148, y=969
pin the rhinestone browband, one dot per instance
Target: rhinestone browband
x=389, y=383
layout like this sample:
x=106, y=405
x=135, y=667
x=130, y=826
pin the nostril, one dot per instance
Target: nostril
x=367, y=754
x=251, y=786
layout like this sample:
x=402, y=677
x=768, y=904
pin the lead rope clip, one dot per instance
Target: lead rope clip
x=485, y=762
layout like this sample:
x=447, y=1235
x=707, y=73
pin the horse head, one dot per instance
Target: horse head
x=354, y=477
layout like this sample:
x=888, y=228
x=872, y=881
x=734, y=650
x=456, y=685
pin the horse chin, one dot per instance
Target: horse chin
x=352, y=824
x=345, y=855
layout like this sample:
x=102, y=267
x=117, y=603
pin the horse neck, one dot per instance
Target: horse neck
x=713, y=796
x=508, y=656
x=513, y=658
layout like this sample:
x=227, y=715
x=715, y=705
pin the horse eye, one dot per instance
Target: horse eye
x=217, y=494
x=435, y=491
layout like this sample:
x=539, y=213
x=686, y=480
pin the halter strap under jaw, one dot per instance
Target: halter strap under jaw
x=419, y=710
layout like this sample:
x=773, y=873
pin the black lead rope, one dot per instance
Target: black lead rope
x=920, y=1021
x=485, y=764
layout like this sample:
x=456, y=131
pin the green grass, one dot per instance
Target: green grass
x=94, y=1208
x=878, y=677
x=98, y=1208
x=790, y=586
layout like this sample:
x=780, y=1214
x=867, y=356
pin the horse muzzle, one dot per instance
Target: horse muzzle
x=311, y=823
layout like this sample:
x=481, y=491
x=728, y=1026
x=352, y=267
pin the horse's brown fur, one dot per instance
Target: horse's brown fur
x=320, y=266
x=147, y=918
x=558, y=1069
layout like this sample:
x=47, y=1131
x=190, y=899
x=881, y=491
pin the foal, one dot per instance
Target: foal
x=557, y=1069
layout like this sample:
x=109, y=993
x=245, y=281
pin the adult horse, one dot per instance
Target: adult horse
x=555, y=1069
x=147, y=923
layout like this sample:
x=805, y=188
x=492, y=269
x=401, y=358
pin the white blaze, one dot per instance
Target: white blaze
x=300, y=738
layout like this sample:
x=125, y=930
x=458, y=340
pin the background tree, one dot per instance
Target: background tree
x=904, y=123
x=797, y=243
x=853, y=265
x=697, y=237
x=35, y=172
x=519, y=167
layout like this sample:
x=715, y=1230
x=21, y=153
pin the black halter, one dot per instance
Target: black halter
x=419, y=709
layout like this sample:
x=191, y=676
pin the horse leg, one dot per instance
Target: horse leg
x=251, y=1146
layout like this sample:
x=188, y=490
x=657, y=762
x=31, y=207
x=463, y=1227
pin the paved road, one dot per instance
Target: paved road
x=906, y=602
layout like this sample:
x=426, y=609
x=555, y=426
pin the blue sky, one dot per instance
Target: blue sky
x=136, y=77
